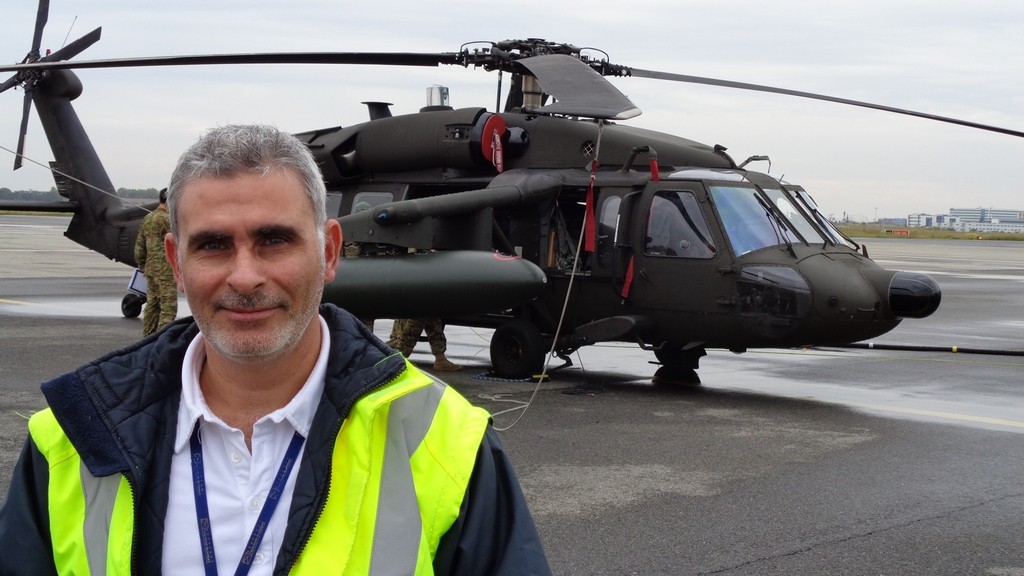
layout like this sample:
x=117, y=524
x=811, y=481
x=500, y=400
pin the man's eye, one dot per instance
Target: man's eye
x=212, y=246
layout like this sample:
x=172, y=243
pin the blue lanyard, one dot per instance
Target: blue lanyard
x=203, y=508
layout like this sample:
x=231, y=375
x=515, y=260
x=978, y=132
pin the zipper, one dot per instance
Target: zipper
x=346, y=410
x=133, y=561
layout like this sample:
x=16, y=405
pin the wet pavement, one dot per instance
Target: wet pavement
x=801, y=461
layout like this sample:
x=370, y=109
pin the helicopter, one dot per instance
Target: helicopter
x=551, y=221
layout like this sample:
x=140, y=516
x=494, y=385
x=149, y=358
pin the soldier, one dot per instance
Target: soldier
x=406, y=332
x=161, y=290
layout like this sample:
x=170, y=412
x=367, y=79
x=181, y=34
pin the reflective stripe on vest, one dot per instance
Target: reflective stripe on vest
x=90, y=518
x=399, y=473
x=396, y=543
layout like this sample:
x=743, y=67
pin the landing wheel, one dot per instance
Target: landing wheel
x=131, y=305
x=517, y=349
x=678, y=366
x=675, y=376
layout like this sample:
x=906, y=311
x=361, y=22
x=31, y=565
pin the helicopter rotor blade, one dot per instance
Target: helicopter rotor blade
x=367, y=58
x=58, y=60
x=773, y=90
x=10, y=82
x=26, y=107
x=76, y=47
x=41, y=16
x=578, y=88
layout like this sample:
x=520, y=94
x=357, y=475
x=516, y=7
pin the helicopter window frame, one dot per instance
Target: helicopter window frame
x=676, y=227
x=607, y=230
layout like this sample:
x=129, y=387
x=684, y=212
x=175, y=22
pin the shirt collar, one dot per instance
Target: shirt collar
x=298, y=412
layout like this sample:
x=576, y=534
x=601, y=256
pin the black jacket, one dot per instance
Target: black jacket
x=120, y=412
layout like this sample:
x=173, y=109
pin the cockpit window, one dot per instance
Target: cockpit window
x=794, y=216
x=748, y=222
x=834, y=234
x=365, y=200
x=676, y=227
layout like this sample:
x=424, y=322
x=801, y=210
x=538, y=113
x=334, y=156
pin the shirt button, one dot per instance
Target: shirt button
x=236, y=456
x=259, y=558
x=254, y=503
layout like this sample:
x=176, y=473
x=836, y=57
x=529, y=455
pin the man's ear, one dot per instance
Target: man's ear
x=332, y=248
x=171, y=252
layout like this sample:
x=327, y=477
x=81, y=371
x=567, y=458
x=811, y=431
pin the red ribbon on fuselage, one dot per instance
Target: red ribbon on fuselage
x=589, y=221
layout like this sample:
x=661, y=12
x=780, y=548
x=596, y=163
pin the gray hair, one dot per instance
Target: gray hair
x=236, y=149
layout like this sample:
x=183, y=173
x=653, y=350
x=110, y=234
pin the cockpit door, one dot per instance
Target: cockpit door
x=679, y=263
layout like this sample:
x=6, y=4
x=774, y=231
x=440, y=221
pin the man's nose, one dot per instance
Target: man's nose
x=247, y=271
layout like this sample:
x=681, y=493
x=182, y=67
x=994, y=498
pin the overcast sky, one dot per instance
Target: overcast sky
x=951, y=58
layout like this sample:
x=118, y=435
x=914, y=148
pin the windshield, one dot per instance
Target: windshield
x=833, y=233
x=794, y=216
x=747, y=220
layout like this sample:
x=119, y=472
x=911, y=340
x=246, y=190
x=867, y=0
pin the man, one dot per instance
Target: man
x=264, y=436
x=161, y=291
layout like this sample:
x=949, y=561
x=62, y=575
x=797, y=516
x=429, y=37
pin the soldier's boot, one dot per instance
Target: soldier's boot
x=443, y=364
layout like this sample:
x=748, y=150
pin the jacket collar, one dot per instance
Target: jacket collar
x=116, y=409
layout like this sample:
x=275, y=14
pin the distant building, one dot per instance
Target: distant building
x=968, y=214
x=893, y=221
x=1016, y=227
x=922, y=220
x=986, y=214
x=971, y=220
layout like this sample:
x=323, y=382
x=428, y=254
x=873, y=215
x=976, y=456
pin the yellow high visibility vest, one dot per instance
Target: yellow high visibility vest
x=400, y=468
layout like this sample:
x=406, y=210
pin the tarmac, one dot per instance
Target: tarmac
x=899, y=458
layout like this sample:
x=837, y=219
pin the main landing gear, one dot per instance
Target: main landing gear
x=678, y=365
x=517, y=349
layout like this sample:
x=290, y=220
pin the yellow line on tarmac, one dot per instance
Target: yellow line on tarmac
x=6, y=301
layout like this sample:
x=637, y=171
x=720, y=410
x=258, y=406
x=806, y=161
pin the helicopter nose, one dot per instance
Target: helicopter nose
x=913, y=295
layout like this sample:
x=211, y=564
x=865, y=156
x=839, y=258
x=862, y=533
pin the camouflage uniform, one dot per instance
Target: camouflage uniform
x=162, y=292
x=405, y=333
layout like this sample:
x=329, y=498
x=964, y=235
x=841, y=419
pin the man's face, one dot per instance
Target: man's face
x=249, y=260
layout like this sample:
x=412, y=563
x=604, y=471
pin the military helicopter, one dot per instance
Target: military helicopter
x=550, y=221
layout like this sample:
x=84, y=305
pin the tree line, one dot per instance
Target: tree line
x=51, y=195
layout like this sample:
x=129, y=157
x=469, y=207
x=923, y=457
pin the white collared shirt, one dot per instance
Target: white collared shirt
x=237, y=482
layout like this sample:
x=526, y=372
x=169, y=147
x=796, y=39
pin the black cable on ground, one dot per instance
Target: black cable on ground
x=915, y=348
